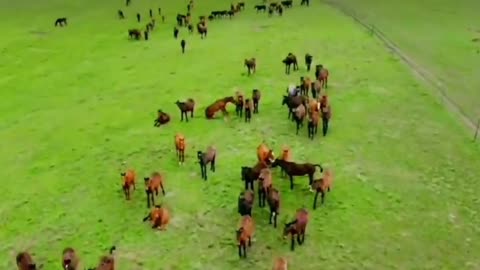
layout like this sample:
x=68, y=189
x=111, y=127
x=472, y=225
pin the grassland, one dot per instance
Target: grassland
x=77, y=102
x=442, y=36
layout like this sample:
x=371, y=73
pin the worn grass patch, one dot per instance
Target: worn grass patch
x=78, y=102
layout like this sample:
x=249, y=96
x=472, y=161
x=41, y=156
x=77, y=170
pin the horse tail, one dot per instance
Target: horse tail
x=319, y=166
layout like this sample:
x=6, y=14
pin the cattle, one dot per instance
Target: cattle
x=180, y=148
x=134, y=34
x=280, y=263
x=120, y=14
x=312, y=123
x=106, y=262
x=244, y=235
x=287, y=3
x=239, y=103
x=290, y=60
x=162, y=118
x=273, y=199
x=129, y=178
x=25, y=261
x=138, y=17
x=297, y=169
x=293, y=102
x=251, y=65
x=322, y=186
x=218, y=105
x=61, y=22
x=245, y=202
x=264, y=185
x=185, y=107
x=326, y=113
x=259, y=8
x=248, y=110
x=207, y=157
x=322, y=75
x=202, y=30
x=175, y=32
x=152, y=185
x=256, y=95
x=183, y=43
x=264, y=154
x=308, y=61
x=297, y=227
x=299, y=115
x=159, y=217
x=250, y=174
x=69, y=259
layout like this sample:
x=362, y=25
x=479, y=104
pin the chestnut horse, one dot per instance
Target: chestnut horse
x=297, y=227
x=322, y=185
x=128, y=181
x=244, y=235
x=280, y=264
x=152, y=184
x=218, y=105
x=322, y=75
x=180, y=148
x=264, y=154
x=159, y=217
x=25, y=261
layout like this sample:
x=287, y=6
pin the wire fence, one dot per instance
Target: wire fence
x=422, y=73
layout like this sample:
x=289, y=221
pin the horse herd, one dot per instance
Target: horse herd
x=300, y=106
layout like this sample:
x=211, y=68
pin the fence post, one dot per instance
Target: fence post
x=476, y=131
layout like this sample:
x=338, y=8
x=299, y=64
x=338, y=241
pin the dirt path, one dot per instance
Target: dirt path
x=419, y=71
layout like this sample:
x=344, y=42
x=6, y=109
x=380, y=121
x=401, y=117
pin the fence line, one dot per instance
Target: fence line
x=417, y=69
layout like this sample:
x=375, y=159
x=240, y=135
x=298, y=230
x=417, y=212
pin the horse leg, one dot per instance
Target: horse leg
x=148, y=199
x=326, y=82
x=212, y=165
x=251, y=185
x=205, y=171
x=270, y=217
x=259, y=197
x=186, y=115
x=163, y=190
x=292, y=247
x=153, y=198
x=240, y=251
x=191, y=113
x=244, y=251
x=298, y=126
x=246, y=184
x=275, y=219
x=147, y=217
x=291, y=182
x=315, y=200
x=299, y=240
x=323, y=196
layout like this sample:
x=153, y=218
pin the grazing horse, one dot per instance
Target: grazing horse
x=326, y=112
x=264, y=185
x=25, y=261
x=256, y=95
x=207, y=157
x=248, y=110
x=128, y=181
x=106, y=262
x=322, y=75
x=61, y=21
x=218, y=105
x=291, y=59
x=287, y=156
x=159, y=216
x=69, y=259
x=322, y=185
x=245, y=202
x=244, y=235
x=296, y=169
x=180, y=148
x=297, y=227
x=299, y=116
x=251, y=65
x=239, y=102
x=264, y=154
x=250, y=174
x=134, y=34
x=120, y=14
x=273, y=199
x=308, y=61
x=162, y=119
x=152, y=184
x=185, y=107
x=280, y=263
x=312, y=123
x=202, y=30
x=293, y=102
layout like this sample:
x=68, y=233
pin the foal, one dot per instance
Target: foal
x=207, y=157
x=180, y=148
x=128, y=181
x=264, y=185
x=322, y=185
x=248, y=110
x=239, y=103
x=251, y=65
x=297, y=169
x=273, y=199
x=152, y=184
x=185, y=107
x=249, y=174
x=297, y=227
x=25, y=261
x=256, y=95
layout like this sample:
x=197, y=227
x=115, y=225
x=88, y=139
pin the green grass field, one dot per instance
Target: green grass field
x=79, y=101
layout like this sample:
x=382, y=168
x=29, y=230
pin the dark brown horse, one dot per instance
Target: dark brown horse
x=250, y=174
x=322, y=75
x=297, y=227
x=25, y=261
x=256, y=95
x=218, y=105
x=185, y=107
x=290, y=60
x=273, y=199
x=239, y=103
x=248, y=110
x=251, y=65
x=207, y=157
x=245, y=202
x=295, y=169
x=162, y=118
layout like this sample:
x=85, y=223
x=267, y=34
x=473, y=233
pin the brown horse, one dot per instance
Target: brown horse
x=322, y=185
x=273, y=199
x=25, y=261
x=280, y=263
x=106, y=262
x=152, y=185
x=185, y=107
x=244, y=235
x=218, y=105
x=299, y=115
x=312, y=123
x=287, y=156
x=250, y=174
x=264, y=154
x=296, y=169
x=128, y=181
x=69, y=259
x=162, y=119
x=251, y=65
x=256, y=95
x=264, y=185
x=159, y=216
x=305, y=85
x=290, y=60
x=239, y=103
x=180, y=148
x=326, y=113
x=202, y=29
x=245, y=202
x=248, y=110
x=207, y=157
x=322, y=75
x=297, y=227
